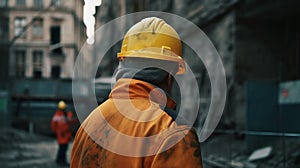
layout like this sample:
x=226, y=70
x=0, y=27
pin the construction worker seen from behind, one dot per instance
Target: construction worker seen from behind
x=137, y=125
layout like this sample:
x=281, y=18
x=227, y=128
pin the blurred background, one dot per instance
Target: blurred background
x=258, y=42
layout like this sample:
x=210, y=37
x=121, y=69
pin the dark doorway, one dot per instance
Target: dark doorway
x=55, y=71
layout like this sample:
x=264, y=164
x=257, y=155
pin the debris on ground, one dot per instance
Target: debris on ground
x=221, y=162
x=228, y=151
x=18, y=148
x=260, y=153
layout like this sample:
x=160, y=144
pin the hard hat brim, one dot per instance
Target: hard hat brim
x=154, y=55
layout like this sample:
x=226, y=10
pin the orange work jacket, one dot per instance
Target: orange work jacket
x=61, y=126
x=132, y=130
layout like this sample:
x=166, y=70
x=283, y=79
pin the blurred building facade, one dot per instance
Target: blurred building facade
x=40, y=40
x=44, y=37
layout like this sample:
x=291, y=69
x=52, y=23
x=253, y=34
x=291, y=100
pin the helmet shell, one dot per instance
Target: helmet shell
x=62, y=105
x=153, y=38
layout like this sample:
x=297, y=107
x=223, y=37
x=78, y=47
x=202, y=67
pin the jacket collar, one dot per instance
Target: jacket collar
x=126, y=88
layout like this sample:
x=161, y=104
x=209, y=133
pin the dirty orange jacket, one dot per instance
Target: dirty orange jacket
x=131, y=130
x=61, y=126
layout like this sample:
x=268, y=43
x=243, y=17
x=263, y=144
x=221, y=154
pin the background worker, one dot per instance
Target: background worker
x=61, y=126
x=118, y=133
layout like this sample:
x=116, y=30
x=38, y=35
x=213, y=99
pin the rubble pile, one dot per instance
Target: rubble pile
x=226, y=151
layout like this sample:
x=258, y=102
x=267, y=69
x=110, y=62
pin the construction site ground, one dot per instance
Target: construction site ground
x=18, y=148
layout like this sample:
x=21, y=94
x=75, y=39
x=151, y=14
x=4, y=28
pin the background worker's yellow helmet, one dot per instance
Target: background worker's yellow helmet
x=62, y=105
x=153, y=38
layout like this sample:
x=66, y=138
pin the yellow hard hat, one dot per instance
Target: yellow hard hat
x=62, y=105
x=153, y=38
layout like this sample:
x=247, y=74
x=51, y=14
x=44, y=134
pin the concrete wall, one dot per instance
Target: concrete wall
x=266, y=47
